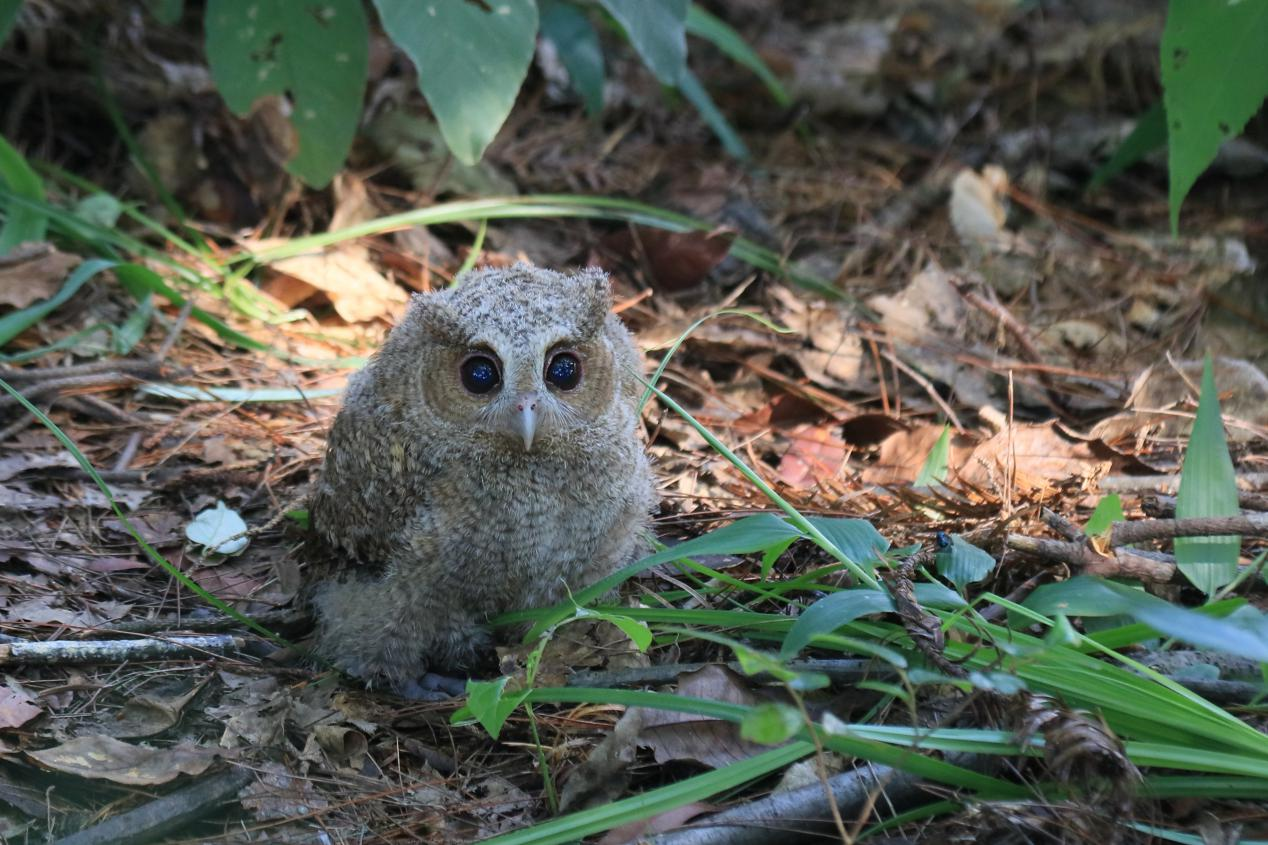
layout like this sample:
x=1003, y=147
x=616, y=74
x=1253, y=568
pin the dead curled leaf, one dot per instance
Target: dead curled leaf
x=107, y=758
x=1031, y=457
x=684, y=736
x=33, y=271
x=17, y=707
x=676, y=260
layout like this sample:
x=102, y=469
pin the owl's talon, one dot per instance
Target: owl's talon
x=433, y=687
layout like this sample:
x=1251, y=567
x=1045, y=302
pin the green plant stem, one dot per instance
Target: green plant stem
x=794, y=515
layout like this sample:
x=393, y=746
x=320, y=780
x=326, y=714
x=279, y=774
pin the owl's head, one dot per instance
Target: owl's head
x=520, y=358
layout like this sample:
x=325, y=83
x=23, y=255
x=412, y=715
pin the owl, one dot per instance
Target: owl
x=487, y=458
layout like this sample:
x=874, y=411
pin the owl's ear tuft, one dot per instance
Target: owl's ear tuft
x=596, y=297
x=434, y=319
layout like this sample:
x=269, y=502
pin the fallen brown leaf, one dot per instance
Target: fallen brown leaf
x=107, y=758
x=33, y=271
x=17, y=707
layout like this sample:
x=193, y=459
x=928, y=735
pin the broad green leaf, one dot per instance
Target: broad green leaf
x=934, y=469
x=830, y=613
x=858, y=539
x=843, y=607
x=638, y=632
x=8, y=16
x=771, y=723
x=1208, y=487
x=21, y=223
x=1243, y=633
x=471, y=60
x=696, y=94
x=1108, y=511
x=656, y=29
x=704, y=25
x=1214, y=78
x=488, y=703
x=313, y=51
x=16, y=322
x=754, y=533
x=1149, y=133
x=963, y=563
x=570, y=30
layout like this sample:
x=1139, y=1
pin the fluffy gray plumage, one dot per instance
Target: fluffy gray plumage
x=434, y=508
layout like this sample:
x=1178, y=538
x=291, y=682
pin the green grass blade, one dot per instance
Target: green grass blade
x=1149, y=133
x=149, y=550
x=575, y=826
x=20, y=223
x=16, y=322
x=547, y=205
x=720, y=34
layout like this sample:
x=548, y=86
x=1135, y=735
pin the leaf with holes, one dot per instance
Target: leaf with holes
x=1214, y=79
x=471, y=60
x=314, y=52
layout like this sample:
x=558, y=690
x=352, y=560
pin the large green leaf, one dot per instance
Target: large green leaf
x=570, y=30
x=1214, y=78
x=314, y=51
x=657, y=29
x=471, y=62
x=8, y=16
x=21, y=223
x=857, y=539
x=963, y=563
x=841, y=608
x=1243, y=633
x=755, y=533
x=1208, y=487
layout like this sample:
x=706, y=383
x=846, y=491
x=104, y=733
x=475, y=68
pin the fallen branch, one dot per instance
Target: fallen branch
x=163, y=815
x=115, y=651
x=1121, y=564
x=803, y=813
x=1171, y=483
x=1139, y=531
x=1164, y=507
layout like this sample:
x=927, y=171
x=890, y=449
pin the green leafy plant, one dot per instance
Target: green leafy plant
x=471, y=60
x=1214, y=79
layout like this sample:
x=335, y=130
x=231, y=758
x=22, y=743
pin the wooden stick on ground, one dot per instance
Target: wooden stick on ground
x=115, y=651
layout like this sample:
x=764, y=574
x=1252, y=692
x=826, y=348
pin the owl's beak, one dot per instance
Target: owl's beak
x=524, y=420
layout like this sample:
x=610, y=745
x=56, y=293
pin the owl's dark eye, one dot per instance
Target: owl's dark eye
x=564, y=371
x=480, y=374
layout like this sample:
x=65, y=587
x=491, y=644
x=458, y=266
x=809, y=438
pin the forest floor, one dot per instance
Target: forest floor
x=932, y=176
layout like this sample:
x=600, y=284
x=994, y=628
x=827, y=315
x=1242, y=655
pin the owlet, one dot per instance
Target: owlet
x=486, y=459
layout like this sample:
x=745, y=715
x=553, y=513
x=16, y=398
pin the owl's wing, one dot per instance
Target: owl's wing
x=373, y=483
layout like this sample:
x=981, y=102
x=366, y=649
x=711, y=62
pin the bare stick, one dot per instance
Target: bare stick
x=803, y=814
x=1171, y=483
x=1126, y=533
x=114, y=651
x=164, y=815
x=1122, y=564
